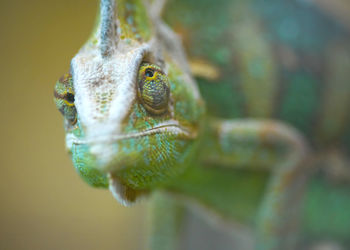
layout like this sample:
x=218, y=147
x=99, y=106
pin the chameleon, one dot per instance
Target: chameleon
x=253, y=153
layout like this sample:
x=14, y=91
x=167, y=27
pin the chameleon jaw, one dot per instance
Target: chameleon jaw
x=128, y=196
x=170, y=127
x=104, y=162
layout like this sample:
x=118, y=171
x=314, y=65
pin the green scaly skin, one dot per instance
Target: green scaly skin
x=310, y=92
x=136, y=132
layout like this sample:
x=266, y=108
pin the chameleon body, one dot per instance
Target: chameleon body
x=136, y=122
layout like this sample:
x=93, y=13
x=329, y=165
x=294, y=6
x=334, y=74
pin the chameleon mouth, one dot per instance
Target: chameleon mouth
x=170, y=127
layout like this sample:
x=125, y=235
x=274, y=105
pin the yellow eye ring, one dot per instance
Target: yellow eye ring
x=69, y=99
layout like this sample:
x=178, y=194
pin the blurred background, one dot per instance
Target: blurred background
x=43, y=202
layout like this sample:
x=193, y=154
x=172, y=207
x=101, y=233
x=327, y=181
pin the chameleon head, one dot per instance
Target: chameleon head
x=131, y=109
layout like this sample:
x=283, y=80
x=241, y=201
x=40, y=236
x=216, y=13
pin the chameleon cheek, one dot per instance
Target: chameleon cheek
x=68, y=111
x=71, y=114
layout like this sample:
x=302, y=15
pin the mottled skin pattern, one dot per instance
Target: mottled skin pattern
x=285, y=60
x=136, y=123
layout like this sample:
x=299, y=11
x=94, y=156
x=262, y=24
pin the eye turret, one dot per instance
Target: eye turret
x=64, y=98
x=153, y=88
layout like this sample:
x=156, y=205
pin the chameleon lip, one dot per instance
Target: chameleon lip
x=171, y=127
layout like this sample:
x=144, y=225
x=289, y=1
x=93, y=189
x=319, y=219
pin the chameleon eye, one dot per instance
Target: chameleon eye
x=64, y=98
x=153, y=88
x=70, y=98
x=149, y=72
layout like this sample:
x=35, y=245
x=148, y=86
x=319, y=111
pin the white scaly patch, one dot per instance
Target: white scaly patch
x=105, y=89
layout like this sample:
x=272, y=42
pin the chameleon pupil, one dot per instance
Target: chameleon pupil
x=70, y=97
x=149, y=73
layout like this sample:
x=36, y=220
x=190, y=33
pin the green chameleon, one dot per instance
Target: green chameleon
x=256, y=156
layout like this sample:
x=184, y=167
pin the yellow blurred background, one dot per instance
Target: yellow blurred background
x=44, y=203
